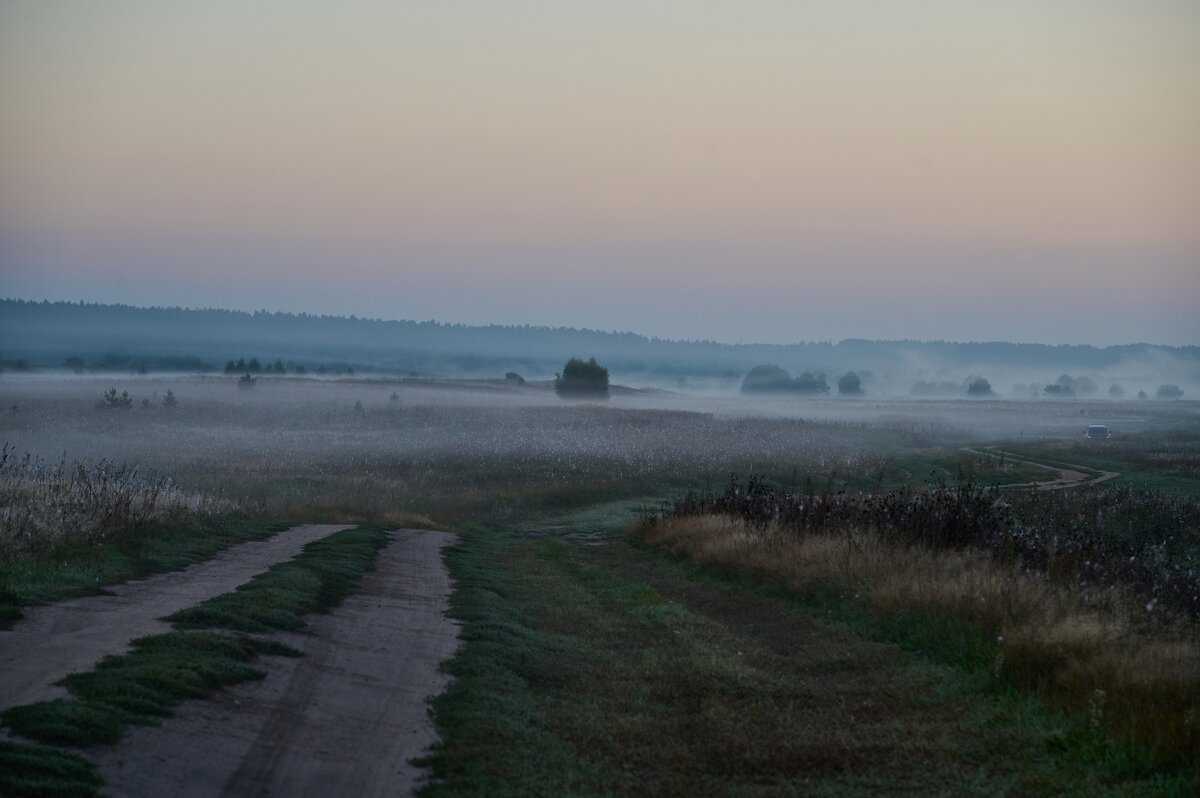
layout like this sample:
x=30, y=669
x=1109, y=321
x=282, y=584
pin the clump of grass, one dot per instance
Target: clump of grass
x=1090, y=653
x=142, y=686
x=38, y=771
x=320, y=577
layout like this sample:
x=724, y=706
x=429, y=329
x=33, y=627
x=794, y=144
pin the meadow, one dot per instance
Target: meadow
x=669, y=519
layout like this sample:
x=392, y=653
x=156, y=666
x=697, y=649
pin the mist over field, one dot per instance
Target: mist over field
x=108, y=338
x=672, y=399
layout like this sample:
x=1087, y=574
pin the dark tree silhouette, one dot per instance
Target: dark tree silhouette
x=582, y=379
x=850, y=384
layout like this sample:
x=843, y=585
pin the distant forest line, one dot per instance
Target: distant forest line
x=46, y=334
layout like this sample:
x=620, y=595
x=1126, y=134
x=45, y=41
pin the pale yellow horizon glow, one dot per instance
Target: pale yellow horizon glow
x=1067, y=128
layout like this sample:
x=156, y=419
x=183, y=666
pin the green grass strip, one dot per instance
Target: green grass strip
x=38, y=771
x=144, y=685
x=84, y=569
x=320, y=577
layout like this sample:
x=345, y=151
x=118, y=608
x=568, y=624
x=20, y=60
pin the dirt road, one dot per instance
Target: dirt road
x=343, y=720
x=59, y=639
x=1069, y=476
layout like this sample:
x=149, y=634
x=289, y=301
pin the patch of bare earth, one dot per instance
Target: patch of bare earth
x=342, y=720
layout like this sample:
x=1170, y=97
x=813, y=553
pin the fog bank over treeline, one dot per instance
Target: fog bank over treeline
x=47, y=334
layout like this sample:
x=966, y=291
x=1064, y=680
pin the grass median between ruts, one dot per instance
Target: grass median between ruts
x=208, y=649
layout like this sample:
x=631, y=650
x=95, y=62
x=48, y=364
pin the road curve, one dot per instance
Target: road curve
x=1069, y=475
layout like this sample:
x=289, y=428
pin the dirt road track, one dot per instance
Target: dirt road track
x=343, y=720
x=59, y=639
x=1069, y=476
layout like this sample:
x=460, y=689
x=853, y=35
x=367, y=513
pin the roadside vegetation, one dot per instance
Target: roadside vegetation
x=1087, y=599
x=630, y=672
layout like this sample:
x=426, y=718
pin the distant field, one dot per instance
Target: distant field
x=725, y=676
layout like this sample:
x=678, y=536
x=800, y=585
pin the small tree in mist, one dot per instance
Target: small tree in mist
x=810, y=382
x=1169, y=392
x=1115, y=391
x=767, y=379
x=582, y=379
x=169, y=399
x=979, y=387
x=850, y=385
x=114, y=401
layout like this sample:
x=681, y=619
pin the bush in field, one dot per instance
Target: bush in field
x=850, y=384
x=513, y=376
x=113, y=401
x=246, y=382
x=1169, y=392
x=767, y=379
x=169, y=399
x=1115, y=391
x=979, y=387
x=581, y=378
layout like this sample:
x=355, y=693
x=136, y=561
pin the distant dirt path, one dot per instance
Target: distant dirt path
x=56, y=640
x=1069, y=476
x=343, y=720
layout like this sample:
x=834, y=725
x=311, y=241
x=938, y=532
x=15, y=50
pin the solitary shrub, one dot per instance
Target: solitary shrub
x=246, y=382
x=850, y=384
x=513, y=376
x=395, y=397
x=767, y=379
x=145, y=404
x=169, y=398
x=1169, y=392
x=1116, y=391
x=979, y=387
x=581, y=378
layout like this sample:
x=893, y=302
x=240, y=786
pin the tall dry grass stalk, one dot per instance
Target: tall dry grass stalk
x=1092, y=654
x=44, y=506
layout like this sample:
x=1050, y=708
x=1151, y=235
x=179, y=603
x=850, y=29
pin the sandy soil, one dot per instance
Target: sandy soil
x=59, y=639
x=343, y=720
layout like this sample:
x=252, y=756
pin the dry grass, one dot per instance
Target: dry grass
x=45, y=506
x=1091, y=654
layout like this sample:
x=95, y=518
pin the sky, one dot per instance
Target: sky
x=754, y=171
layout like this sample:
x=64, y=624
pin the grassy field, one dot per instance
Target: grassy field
x=595, y=663
x=631, y=673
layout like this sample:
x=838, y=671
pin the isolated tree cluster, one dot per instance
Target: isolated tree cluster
x=774, y=379
x=582, y=379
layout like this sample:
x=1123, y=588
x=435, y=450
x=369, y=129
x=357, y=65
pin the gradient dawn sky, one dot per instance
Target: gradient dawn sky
x=743, y=171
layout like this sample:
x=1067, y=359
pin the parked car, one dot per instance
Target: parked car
x=1097, y=432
